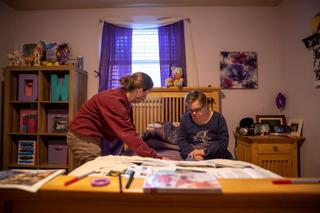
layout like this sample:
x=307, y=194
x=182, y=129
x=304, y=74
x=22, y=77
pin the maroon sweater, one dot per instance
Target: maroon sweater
x=108, y=115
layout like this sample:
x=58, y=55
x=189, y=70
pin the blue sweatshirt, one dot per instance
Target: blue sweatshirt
x=212, y=136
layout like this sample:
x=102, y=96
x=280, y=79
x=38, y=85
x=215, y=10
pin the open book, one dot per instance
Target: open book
x=181, y=182
x=27, y=179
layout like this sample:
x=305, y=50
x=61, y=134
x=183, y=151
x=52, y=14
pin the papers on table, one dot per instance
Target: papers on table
x=221, y=168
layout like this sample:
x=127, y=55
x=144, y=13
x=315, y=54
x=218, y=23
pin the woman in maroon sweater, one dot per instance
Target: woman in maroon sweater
x=108, y=115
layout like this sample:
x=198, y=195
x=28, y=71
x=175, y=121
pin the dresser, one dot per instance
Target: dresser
x=279, y=154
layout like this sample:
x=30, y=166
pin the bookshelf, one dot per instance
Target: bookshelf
x=31, y=94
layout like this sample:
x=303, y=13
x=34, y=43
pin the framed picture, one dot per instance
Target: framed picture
x=272, y=120
x=261, y=129
x=295, y=126
x=238, y=70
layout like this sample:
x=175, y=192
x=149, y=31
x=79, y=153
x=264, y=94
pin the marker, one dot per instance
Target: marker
x=77, y=178
x=120, y=183
x=296, y=181
x=131, y=175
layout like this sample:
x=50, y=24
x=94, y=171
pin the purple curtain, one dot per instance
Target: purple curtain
x=115, y=57
x=172, y=50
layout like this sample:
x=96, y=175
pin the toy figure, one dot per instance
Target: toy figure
x=38, y=53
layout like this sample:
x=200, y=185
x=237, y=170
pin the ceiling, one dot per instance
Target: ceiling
x=92, y=4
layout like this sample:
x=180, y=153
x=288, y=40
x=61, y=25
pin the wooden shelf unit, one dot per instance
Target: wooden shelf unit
x=12, y=106
x=279, y=154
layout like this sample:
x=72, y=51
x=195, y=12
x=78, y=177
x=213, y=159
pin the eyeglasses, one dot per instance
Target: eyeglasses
x=196, y=110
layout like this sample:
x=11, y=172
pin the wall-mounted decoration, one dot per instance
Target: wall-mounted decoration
x=313, y=42
x=316, y=63
x=281, y=102
x=238, y=70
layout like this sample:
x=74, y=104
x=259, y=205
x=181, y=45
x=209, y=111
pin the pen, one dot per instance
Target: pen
x=295, y=181
x=131, y=175
x=120, y=183
x=77, y=178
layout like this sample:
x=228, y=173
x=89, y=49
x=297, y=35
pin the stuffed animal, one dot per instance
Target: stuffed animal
x=176, y=79
x=14, y=58
x=177, y=76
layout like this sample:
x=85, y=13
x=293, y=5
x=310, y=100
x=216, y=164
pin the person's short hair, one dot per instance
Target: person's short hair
x=195, y=95
x=136, y=80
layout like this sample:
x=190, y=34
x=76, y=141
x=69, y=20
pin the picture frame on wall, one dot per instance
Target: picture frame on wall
x=272, y=120
x=295, y=126
x=238, y=70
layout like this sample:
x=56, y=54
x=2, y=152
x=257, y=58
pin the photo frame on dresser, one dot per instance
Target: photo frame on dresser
x=295, y=126
x=272, y=120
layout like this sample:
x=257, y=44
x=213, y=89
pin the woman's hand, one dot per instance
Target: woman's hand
x=196, y=152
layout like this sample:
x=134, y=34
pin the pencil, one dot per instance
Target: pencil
x=120, y=183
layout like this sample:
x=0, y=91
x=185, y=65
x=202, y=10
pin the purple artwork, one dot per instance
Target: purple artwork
x=238, y=70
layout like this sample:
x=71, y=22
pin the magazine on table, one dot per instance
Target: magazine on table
x=164, y=181
x=27, y=179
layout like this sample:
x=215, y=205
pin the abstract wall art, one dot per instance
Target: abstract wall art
x=238, y=70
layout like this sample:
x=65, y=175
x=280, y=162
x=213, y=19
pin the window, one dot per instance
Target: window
x=145, y=53
x=153, y=51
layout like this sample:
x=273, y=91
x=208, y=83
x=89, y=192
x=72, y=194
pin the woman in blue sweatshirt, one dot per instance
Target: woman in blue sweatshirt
x=203, y=134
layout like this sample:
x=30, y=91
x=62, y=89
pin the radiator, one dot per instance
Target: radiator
x=167, y=104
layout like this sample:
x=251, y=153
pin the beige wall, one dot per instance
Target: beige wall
x=213, y=29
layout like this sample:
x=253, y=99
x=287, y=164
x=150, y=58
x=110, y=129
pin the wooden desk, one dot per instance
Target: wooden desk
x=237, y=196
x=279, y=154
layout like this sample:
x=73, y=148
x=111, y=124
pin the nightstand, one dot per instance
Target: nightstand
x=279, y=154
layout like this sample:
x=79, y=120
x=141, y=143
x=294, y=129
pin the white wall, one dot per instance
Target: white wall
x=298, y=78
x=213, y=29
